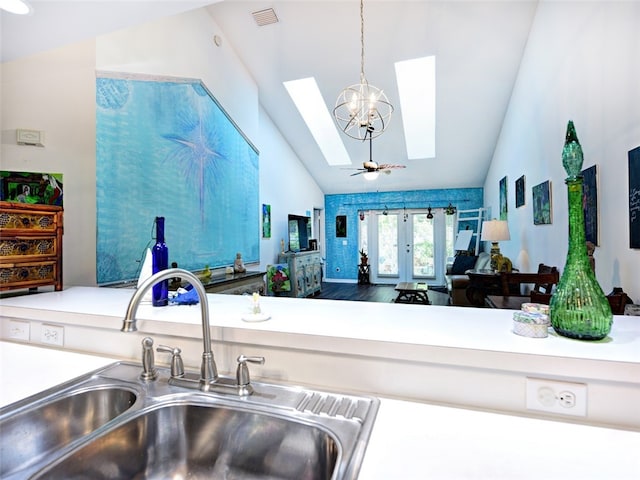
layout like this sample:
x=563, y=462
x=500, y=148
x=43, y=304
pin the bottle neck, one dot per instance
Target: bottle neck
x=160, y=229
x=577, y=238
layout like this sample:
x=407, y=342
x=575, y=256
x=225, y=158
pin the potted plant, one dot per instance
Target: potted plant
x=363, y=258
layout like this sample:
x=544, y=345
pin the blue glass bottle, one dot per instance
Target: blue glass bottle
x=160, y=261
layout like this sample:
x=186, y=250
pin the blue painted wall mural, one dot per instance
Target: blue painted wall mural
x=346, y=256
x=166, y=148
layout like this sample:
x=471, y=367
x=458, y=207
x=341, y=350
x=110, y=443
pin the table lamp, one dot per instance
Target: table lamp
x=495, y=231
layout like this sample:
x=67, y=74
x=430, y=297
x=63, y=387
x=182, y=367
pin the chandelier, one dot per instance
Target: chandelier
x=362, y=110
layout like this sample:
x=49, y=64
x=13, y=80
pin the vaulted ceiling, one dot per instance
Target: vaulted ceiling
x=478, y=46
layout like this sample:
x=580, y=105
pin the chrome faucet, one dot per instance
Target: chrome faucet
x=208, y=369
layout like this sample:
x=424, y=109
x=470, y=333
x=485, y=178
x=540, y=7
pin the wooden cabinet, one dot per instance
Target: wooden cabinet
x=30, y=246
x=305, y=271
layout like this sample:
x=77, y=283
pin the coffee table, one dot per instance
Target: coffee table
x=412, y=292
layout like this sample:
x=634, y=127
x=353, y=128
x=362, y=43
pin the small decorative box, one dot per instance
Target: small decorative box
x=531, y=324
x=536, y=308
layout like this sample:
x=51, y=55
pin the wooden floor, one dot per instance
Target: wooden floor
x=370, y=293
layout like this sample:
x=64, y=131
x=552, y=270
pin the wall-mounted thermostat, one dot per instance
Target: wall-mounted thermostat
x=34, y=138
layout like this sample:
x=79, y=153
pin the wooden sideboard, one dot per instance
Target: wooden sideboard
x=30, y=246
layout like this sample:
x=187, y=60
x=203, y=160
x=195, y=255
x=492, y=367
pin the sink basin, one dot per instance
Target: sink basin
x=197, y=441
x=111, y=424
x=48, y=426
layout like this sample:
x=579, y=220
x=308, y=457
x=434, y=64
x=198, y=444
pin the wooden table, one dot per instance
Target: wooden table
x=412, y=292
x=512, y=302
x=481, y=284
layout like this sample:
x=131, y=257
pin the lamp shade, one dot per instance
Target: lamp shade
x=495, y=230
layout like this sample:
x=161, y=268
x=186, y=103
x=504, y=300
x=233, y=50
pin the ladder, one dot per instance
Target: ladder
x=472, y=220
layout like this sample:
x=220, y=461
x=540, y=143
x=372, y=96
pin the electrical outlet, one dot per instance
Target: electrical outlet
x=52, y=334
x=565, y=398
x=19, y=330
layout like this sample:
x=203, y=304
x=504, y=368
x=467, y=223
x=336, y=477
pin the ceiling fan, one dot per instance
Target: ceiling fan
x=372, y=167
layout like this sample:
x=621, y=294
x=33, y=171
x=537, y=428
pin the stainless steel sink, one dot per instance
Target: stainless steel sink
x=49, y=425
x=197, y=441
x=279, y=432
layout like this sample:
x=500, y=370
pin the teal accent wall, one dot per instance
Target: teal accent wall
x=345, y=257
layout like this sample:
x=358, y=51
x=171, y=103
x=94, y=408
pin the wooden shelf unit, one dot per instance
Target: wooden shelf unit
x=30, y=246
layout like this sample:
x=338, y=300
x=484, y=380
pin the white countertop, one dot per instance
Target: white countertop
x=438, y=326
x=410, y=440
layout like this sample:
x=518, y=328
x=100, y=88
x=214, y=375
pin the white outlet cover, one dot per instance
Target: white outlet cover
x=551, y=396
x=52, y=335
x=19, y=330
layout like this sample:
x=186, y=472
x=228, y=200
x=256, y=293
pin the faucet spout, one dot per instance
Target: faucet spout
x=208, y=369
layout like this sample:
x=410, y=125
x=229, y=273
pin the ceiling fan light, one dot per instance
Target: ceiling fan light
x=370, y=175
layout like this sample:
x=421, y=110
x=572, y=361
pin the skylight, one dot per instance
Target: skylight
x=417, y=87
x=306, y=95
x=19, y=7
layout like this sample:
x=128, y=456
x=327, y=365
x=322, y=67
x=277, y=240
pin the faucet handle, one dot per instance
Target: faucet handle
x=149, y=371
x=242, y=373
x=177, y=367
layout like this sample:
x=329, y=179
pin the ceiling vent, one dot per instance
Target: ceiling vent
x=265, y=17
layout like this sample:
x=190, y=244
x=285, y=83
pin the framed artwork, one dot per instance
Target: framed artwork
x=266, y=221
x=542, y=203
x=520, y=192
x=166, y=147
x=634, y=198
x=590, y=204
x=503, y=198
x=27, y=187
x=341, y=225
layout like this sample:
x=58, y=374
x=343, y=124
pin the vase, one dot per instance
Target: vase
x=578, y=308
x=160, y=261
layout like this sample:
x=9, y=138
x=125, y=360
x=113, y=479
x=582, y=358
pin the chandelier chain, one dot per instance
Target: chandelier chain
x=362, y=77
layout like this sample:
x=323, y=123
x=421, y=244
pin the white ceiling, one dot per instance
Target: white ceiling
x=478, y=46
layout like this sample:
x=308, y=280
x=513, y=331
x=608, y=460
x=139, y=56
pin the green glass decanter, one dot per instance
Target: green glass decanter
x=578, y=308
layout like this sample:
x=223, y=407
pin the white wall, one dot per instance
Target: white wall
x=286, y=185
x=55, y=92
x=582, y=63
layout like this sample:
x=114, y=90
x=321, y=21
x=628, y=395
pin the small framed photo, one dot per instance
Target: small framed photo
x=503, y=198
x=341, y=226
x=590, y=203
x=542, y=203
x=266, y=221
x=520, y=192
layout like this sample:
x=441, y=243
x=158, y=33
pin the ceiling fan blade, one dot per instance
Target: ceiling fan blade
x=357, y=173
x=388, y=166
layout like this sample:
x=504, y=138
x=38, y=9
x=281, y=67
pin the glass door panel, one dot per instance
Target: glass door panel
x=422, y=258
x=387, y=245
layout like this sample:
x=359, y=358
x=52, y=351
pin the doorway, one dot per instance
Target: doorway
x=406, y=245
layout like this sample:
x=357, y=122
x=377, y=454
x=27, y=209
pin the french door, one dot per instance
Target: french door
x=406, y=246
